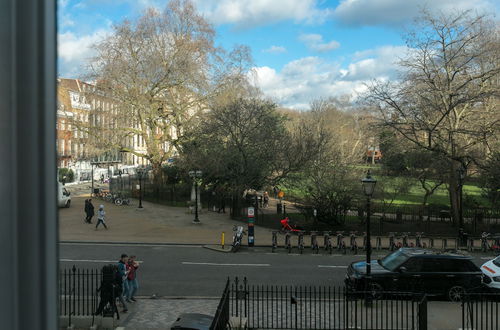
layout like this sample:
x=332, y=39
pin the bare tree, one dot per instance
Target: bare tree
x=444, y=100
x=162, y=70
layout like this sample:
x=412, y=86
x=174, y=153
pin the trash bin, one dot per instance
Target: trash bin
x=192, y=321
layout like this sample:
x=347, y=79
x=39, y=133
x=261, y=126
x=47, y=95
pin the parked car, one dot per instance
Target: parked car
x=418, y=270
x=63, y=196
x=491, y=273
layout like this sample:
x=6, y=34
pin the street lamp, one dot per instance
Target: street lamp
x=368, y=189
x=140, y=172
x=195, y=175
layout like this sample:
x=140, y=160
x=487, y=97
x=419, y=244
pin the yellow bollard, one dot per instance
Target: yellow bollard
x=222, y=240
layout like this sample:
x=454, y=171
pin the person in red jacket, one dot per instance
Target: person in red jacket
x=133, y=285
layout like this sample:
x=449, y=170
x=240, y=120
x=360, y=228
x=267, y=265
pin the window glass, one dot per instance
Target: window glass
x=413, y=265
x=393, y=260
x=431, y=265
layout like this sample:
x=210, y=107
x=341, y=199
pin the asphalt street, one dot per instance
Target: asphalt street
x=194, y=271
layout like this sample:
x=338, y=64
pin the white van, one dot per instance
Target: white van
x=63, y=196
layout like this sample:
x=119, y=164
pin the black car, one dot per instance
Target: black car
x=417, y=270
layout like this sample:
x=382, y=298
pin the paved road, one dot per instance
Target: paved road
x=194, y=271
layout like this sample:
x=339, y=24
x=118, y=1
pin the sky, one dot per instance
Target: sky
x=303, y=50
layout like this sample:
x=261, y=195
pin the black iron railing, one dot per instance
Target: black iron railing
x=481, y=311
x=221, y=317
x=325, y=307
x=78, y=291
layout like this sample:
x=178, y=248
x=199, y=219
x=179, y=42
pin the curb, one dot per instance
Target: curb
x=214, y=247
x=207, y=246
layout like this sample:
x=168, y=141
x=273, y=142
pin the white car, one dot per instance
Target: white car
x=491, y=273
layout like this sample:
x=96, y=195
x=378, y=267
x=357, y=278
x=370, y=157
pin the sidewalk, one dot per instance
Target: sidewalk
x=149, y=313
x=153, y=224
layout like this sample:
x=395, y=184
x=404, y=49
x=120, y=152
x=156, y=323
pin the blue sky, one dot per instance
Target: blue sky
x=302, y=49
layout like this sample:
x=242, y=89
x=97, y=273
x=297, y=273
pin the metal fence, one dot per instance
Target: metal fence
x=221, y=318
x=481, y=311
x=325, y=307
x=78, y=291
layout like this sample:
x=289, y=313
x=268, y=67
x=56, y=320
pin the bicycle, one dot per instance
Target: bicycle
x=484, y=241
x=354, y=244
x=274, y=241
x=340, y=242
x=418, y=240
x=392, y=243
x=405, y=239
x=286, y=227
x=314, y=242
x=327, y=242
x=300, y=242
x=288, y=243
x=485, y=246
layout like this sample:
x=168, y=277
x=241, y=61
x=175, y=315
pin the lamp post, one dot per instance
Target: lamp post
x=140, y=172
x=368, y=188
x=195, y=175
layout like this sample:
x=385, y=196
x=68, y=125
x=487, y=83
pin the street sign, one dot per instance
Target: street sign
x=281, y=194
x=251, y=212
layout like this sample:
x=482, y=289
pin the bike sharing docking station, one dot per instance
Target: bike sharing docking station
x=251, y=228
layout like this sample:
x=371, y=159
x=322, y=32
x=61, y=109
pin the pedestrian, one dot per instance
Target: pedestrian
x=89, y=210
x=100, y=217
x=275, y=192
x=86, y=209
x=102, y=178
x=222, y=203
x=122, y=276
x=266, y=199
x=133, y=285
x=109, y=291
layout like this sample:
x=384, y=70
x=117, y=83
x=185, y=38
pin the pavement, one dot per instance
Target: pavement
x=153, y=223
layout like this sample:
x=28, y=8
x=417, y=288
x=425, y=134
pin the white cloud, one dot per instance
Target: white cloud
x=275, y=49
x=73, y=51
x=374, y=12
x=315, y=43
x=304, y=80
x=245, y=13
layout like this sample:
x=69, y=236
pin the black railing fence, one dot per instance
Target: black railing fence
x=325, y=307
x=221, y=317
x=78, y=291
x=481, y=311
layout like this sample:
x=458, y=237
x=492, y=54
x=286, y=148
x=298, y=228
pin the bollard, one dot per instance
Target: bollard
x=222, y=240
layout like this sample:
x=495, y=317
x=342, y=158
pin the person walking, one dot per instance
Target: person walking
x=122, y=278
x=89, y=209
x=86, y=209
x=133, y=285
x=222, y=203
x=266, y=199
x=100, y=217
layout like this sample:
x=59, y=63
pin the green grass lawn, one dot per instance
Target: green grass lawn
x=414, y=194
